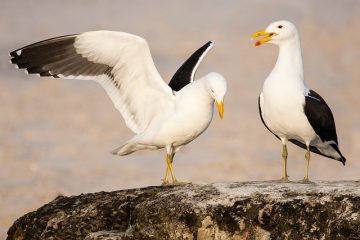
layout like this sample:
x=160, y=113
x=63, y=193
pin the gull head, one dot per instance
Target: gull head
x=216, y=86
x=277, y=33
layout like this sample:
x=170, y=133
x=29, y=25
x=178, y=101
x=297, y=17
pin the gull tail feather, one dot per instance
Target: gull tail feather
x=125, y=149
x=131, y=147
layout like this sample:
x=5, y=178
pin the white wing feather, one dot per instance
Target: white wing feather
x=136, y=89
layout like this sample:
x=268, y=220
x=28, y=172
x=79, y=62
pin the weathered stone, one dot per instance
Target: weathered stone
x=248, y=210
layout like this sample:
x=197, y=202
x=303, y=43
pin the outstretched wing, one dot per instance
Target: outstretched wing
x=119, y=61
x=185, y=74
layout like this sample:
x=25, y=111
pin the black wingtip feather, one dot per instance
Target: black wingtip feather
x=22, y=65
x=56, y=57
x=44, y=46
x=343, y=160
x=13, y=61
x=45, y=74
x=14, y=54
x=184, y=75
x=35, y=70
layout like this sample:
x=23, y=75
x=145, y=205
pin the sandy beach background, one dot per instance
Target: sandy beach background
x=56, y=135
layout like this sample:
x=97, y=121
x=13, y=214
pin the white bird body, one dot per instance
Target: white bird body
x=283, y=97
x=181, y=123
x=186, y=115
x=288, y=108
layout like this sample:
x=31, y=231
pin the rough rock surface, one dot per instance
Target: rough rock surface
x=247, y=210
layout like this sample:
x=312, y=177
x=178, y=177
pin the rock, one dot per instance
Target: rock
x=246, y=210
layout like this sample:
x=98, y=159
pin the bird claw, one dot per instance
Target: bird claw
x=306, y=181
x=283, y=180
x=165, y=183
x=178, y=183
x=174, y=183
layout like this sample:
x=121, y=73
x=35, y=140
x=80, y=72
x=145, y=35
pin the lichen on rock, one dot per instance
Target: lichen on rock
x=244, y=210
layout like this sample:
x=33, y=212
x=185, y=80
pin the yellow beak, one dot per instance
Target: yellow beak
x=267, y=37
x=220, y=106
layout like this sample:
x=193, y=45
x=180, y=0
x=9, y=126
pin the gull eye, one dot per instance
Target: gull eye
x=280, y=26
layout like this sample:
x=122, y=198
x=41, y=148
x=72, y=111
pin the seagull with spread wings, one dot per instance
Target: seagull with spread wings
x=161, y=116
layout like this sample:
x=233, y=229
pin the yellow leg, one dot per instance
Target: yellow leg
x=170, y=171
x=174, y=180
x=166, y=178
x=307, y=158
x=169, y=161
x=172, y=158
x=285, y=177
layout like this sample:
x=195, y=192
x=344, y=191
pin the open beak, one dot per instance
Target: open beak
x=267, y=36
x=220, y=106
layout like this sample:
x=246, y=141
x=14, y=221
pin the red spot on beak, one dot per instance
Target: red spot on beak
x=258, y=43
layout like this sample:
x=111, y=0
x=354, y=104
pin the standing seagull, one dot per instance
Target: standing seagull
x=288, y=108
x=122, y=64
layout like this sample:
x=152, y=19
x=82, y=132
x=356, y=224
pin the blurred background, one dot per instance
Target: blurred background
x=56, y=135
